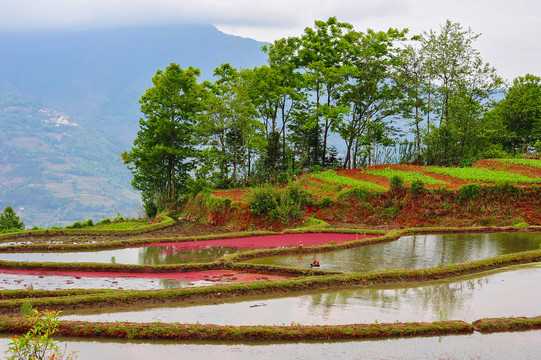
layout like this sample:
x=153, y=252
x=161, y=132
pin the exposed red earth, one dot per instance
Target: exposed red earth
x=265, y=242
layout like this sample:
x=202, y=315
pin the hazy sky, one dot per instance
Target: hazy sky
x=510, y=41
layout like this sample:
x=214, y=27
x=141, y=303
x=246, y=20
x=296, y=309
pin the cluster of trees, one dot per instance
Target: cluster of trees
x=9, y=221
x=367, y=88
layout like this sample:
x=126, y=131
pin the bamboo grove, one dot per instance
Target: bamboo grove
x=331, y=97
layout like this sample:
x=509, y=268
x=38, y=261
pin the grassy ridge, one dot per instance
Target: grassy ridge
x=332, y=177
x=408, y=176
x=481, y=174
x=89, y=231
x=200, y=332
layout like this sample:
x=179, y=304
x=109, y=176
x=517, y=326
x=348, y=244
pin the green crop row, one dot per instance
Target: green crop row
x=481, y=174
x=332, y=177
x=528, y=162
x=408, y=176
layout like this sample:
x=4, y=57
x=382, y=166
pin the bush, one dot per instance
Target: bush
x=37, y=343
x=150, y=209
x=355, y=193
x=397, y=183
x=263, y=200
x=417, y=187
x=314, y=169
x=468, y=192
x=325, y=202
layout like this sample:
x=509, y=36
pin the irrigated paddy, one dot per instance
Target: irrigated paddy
x=499, y=293
x=517, y=345
x=414, y=252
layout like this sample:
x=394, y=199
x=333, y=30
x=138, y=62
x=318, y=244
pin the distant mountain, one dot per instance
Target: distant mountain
x=60, y=141
x=55, y=171
x=97, y=76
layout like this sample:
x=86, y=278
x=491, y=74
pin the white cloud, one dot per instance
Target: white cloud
x=510, y=28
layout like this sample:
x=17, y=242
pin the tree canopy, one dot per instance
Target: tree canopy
x=10, y=221
x=331, y=97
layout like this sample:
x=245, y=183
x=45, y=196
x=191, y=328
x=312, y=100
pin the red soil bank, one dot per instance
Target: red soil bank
x=265, y=242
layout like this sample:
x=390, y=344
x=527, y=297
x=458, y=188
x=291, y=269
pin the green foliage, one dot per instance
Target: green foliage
x=38, y=343
x=332, y=177
x=408, y=176
x=325, y=202
x=81, y=224
x=162, y=154
x=481, y=174
x=263, y=200
x=417, y=187
x=313, y=222
x=468, y=192
x=150, y=209
x=520, y=114
x=356, y=193
x=527, y=162
x=9, y=220
x=396, y=183
x=284, y=205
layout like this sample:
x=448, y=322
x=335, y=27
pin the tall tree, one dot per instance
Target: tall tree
x=520, y=114
x=322, y=53
x=369, y=95
x=9, y=220
x=462, y=82
x=162, y=153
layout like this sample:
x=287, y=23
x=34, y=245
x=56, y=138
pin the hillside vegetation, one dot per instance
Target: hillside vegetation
x=499, y=192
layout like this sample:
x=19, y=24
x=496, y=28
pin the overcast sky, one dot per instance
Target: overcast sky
x=510, y=41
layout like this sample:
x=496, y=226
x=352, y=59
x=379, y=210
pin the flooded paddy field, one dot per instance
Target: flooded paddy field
x=499, y=293
x=515, y=345
x=183, y=252
x=413, y=252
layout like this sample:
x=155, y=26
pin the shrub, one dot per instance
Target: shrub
x=150, y=209
x=468, y=192
x=263, y=200
x=314, y=169
x=325, y=202
x=104, y=221
x=355, y=193
x=397, y=183
x=417, y=187
x=37, y=343
x=284, y=178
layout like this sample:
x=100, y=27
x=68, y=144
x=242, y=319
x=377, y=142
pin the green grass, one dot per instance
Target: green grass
x=481, y=174
x=332, y=177
x=527, y=162
x=408, y=176
x=120, y=225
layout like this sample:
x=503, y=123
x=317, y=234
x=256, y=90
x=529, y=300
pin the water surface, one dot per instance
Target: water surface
x=511, y=346
x=414, y=252
x=502, y=293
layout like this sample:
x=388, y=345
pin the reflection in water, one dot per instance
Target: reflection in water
x=517, y=345
x=149, y=255
x=411, y=252
x=497, y=294
x=414, y=252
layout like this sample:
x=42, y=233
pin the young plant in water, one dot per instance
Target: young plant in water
x=113, y=260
